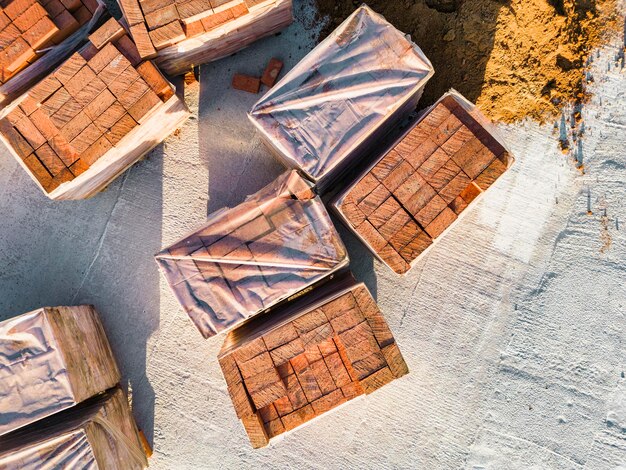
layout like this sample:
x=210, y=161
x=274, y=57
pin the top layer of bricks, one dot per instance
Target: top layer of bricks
x=419, y=187
x=27, y=26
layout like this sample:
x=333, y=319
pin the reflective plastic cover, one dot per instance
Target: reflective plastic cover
x=50, y=360
x=336, y=102
x=248, y=258
x=100, y=434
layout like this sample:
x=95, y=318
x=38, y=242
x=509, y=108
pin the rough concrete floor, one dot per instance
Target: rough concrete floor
x=512, y=326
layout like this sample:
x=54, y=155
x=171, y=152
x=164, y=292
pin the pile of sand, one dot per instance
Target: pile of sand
x=514, y=58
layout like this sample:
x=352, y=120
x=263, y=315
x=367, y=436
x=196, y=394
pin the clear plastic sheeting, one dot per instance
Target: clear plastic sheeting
x=100, y=434
x=247, y=259
x=51, y=359
x=341, y=98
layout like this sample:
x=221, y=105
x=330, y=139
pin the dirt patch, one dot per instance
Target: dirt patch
x=514, y=58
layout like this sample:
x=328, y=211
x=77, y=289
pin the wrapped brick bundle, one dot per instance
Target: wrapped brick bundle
x=307, y=358
x=247, y=259
x=98, y=434
x=36, y=35
x=415, y=191
x=334, y=107
x=50, y=360
x=93, y=117
x=180, y=34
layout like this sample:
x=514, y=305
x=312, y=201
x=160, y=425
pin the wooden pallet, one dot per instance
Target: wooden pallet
x=251, y=257
x=419, y=187
x=284, y=374
x=94, y=116
x=180, y=34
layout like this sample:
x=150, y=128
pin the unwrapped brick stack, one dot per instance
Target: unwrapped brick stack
x=94, y=116
x=51, y=359
x=27, y=26
x=100, y=434
x=331, y=111
x=184, y=33
x=283, y=374
x=409, y=197
x=245, y=260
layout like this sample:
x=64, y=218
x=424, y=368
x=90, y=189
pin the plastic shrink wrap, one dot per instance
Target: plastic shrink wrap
x=249, y=258
x=51, y=359
x=334, y=107
x=100, y=434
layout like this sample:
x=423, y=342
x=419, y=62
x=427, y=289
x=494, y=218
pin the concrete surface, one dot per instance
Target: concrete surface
x=512, y=326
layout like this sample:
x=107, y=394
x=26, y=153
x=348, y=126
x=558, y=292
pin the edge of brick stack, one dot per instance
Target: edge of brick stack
x=308, y=358
x=29, y=76
x=421, y=185
x=83, y=364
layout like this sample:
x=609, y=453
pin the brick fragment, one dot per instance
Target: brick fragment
x=246, y=83
x=270, y=75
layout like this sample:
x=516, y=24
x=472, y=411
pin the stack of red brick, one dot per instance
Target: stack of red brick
x=159, y=24
x=419, y=188
x=84, y=108
x=282, y=375
x=30, y=25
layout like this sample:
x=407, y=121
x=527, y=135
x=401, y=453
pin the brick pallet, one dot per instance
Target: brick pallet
x=29, y=26
x=248, y=259
x=93, y=117
x=180, y=34
x=331, y=111
x=51, y=359
x=99, y=434
x=302, y=362
x=406, y=200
